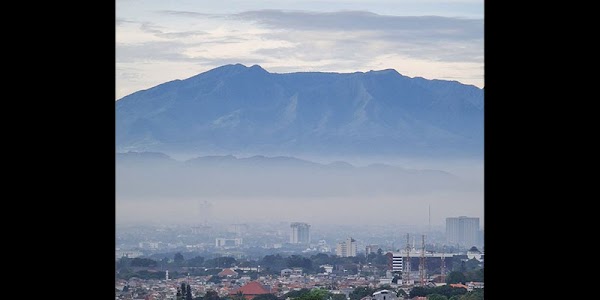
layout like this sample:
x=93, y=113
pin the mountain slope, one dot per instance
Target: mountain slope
x=235, y=108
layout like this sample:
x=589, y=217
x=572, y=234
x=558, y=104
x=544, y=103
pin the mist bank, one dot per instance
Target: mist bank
x=154, y=186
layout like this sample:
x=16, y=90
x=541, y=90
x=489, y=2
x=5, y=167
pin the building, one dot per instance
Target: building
x=347, y=248
x=463, y=231
x=395, y=260
x=252, y=289
x=300, y=233
x=371, y=249
x=223, y=242
x=228, y=273
x=384, y=295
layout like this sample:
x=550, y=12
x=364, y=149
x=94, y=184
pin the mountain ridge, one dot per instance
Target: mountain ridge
x=237, y=108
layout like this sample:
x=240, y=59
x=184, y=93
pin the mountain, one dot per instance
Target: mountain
x=238, y=109
x=147, y=175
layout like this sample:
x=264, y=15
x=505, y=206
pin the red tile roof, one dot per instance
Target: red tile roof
x=252, y=288
x=227, y=272
x=458, y=285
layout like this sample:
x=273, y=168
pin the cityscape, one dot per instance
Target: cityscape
x=299, y=150
x=255, y=260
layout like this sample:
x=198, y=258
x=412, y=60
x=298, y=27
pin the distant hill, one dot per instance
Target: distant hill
x=234, y=108
x=140, y=174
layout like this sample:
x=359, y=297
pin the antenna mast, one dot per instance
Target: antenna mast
x=443, y=267
x=422, y=262
x=406, y=275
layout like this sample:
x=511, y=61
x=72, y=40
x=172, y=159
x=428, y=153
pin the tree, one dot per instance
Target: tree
x=316, y=294
x=212, y=295
x=178, y=258
x=360, y=292
x=297, y=294
x=402, y=293
x=143, y=262
x=436, y=297
x=178, y=296
x=265, y=297
x=188, y=293
x=476, y=294
x=338, y=297
x=455, y=277
x=418, y=291
x=220, y=262
x=197, y=261
x=214, y=279
x=299, y=261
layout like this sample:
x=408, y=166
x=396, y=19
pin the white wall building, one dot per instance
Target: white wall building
x=347, y=248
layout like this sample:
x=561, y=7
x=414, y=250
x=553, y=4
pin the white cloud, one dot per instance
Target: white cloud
x=180, y=44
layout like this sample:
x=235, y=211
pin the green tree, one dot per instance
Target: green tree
x=265, y=297
x=297, y=261
x=178, y=258
x=297, y=294
x=143, y=262
x=178, y=295
x=436, y=297
x=188, y=293
x=402, y=293
x=221, y=262
x=476, y=294
x=214, y=279
x=455, y=297
x=360, y=292
x=197, y=261
x=455, y=277
x=316, y=294
x=211, y=295
x=418, y=291
x=338, y=297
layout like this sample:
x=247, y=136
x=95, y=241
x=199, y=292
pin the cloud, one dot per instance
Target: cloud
x=148, y=51
x=291, y=41
x=191, y=14
x=423, y=26
x=153, y=29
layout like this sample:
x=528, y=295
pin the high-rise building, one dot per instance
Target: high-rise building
x=371, y=249
x=395, y=260
x=346, y=248
x=300, y=233
x=224, y=242
x=463, y=231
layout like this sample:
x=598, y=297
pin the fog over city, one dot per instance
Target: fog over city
x=154, y=188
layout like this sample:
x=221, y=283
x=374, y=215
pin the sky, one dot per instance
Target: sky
x=160, y=40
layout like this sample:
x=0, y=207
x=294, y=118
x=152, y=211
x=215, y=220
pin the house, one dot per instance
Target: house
x=459, y=285
x=229, y=273
x=384, y=295
x=252, y=289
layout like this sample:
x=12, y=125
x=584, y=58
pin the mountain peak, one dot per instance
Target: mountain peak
x=238, y=108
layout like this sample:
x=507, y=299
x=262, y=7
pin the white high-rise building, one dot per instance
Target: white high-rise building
x=463, y=231
x=397, y=260
x=300, y=233
x=347, y=248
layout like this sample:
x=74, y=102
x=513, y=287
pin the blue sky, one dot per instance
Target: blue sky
x=159, y=41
